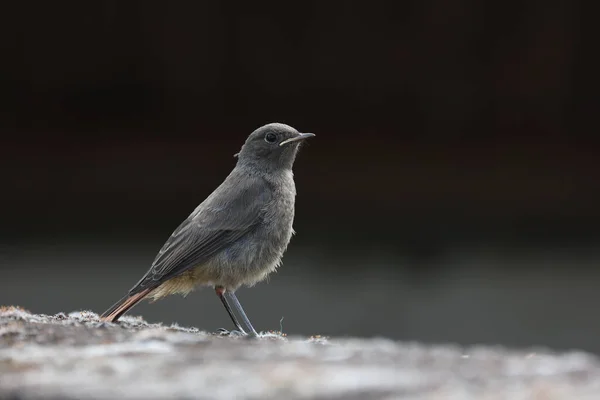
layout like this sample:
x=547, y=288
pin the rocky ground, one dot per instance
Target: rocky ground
x=74, y=356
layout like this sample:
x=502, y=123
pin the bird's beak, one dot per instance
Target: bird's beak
x=301, y=136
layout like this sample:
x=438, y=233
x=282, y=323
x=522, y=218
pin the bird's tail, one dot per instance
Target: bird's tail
x=123, y=305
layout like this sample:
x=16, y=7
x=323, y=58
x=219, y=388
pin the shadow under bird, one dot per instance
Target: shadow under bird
x=236, y=236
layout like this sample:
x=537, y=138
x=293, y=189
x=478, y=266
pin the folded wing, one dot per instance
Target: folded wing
x=231, y=212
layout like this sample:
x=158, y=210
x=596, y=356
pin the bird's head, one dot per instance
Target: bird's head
x=272, y=146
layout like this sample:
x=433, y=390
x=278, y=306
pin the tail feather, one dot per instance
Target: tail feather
x=123, y=305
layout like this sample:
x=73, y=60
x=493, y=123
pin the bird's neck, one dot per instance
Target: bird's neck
x=262, y=168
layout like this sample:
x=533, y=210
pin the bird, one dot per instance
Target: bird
x=236, y=236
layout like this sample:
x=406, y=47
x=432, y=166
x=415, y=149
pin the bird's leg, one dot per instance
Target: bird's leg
x=240, y=310
x=220, y=290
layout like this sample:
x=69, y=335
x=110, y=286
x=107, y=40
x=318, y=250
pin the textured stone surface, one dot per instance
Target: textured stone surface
x=74, y=356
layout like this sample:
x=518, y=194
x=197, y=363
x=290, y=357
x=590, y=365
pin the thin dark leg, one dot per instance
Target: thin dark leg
x=220, y=290
x=240, y=310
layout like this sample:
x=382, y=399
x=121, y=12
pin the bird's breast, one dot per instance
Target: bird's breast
x=272, y=236
x=252, y=257
x=279, y=215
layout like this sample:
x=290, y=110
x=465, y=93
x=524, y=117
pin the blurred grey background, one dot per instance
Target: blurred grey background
x=451, y=194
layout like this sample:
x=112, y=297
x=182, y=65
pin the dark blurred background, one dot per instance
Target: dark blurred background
x=451, y=193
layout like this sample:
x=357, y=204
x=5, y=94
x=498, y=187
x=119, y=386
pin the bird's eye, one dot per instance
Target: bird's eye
x=270, y=137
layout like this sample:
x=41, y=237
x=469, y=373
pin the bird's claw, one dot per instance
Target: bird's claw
x=225, y=332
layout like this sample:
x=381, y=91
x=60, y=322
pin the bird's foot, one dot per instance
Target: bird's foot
x=225, y=332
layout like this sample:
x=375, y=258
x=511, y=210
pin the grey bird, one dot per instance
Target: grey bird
x=237, y=236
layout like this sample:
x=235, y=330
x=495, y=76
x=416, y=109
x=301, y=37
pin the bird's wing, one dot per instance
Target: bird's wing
x=219, y=221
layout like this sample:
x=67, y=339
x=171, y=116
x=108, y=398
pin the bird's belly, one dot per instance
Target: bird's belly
x=182, y=284
x=245, y=262
x=250, y=259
